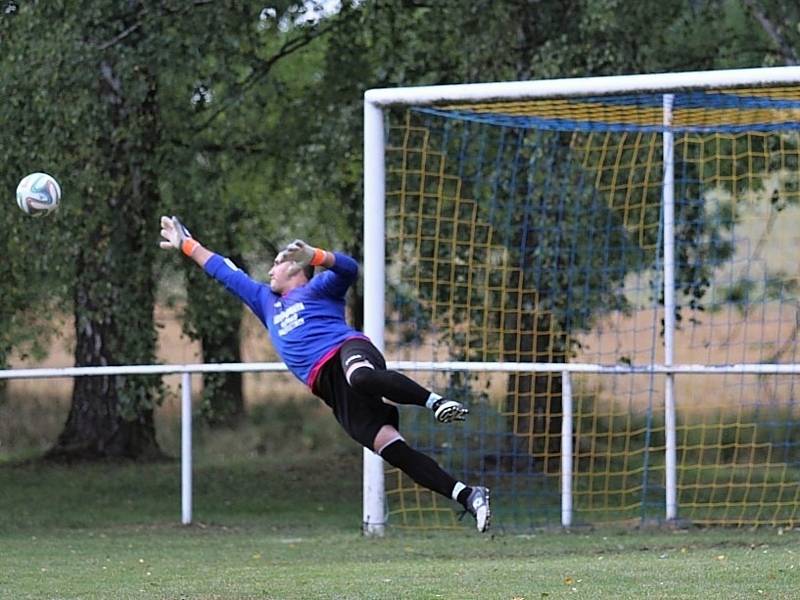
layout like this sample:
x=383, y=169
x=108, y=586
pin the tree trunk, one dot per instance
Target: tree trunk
x=214, y=317
x=356, y=249
x=223, y=401
x=533, y=402
x=112, y=416
x=223, y=397
x=95, y=427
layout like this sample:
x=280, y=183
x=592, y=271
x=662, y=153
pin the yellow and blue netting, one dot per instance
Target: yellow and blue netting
x=532, y=232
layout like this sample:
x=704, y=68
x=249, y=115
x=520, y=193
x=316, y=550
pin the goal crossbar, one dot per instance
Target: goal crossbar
x=578, y=87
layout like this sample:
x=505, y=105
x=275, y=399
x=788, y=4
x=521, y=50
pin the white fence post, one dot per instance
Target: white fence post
x=566, y=449
x=186, y=448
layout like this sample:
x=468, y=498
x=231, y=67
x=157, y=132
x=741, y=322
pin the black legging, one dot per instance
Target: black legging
x=388, y=384
x=421, y=468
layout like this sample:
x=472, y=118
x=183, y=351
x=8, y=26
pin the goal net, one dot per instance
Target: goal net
x=611, y=222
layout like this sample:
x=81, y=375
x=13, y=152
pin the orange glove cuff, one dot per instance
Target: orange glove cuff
x=318, y=258
x=188, y=246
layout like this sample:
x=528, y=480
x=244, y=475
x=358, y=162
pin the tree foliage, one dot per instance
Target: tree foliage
x=247, y=121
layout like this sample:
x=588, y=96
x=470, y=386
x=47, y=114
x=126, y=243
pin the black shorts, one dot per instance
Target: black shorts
x=361, y=416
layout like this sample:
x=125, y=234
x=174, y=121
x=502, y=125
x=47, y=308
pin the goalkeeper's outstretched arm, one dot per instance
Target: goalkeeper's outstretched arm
x=175, y=235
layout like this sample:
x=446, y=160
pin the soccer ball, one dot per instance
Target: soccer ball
x=38, y=194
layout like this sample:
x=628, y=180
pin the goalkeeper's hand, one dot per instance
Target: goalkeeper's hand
x=301, y=254
x=175, y=235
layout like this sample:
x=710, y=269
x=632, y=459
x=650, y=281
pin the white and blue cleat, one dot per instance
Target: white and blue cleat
x=447, y=411
x=478, y=506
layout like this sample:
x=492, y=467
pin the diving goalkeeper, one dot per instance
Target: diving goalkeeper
x=305, y=317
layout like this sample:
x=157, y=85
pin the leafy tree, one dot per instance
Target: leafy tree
x=110, y=96
x=773, y=17
x=93, y=124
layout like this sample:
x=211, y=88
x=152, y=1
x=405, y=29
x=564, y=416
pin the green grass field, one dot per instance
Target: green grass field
x=278, y=526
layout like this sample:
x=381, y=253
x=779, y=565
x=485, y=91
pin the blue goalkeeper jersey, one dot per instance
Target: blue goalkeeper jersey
x=307, y=325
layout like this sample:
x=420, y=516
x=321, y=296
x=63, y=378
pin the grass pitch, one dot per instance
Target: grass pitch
x=288, y=527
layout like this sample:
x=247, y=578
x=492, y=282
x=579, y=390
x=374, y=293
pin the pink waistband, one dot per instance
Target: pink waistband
x=312, y=376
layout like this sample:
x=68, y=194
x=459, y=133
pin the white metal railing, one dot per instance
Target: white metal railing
x=186, y=372
x=566, y=370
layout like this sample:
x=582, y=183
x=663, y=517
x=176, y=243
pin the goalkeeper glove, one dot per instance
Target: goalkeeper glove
x=176, y=235
x=302, y=255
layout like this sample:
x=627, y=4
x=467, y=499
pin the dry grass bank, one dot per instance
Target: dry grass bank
x=36, y=409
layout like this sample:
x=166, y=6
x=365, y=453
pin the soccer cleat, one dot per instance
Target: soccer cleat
x=478, y=506
x=446, y=410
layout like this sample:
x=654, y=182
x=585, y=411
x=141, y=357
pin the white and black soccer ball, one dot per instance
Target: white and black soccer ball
x=38, y=194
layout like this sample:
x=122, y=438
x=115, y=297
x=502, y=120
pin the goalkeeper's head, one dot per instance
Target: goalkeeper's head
x=286, y=275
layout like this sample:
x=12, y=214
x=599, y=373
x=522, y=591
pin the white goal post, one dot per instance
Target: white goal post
x=375, y=103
